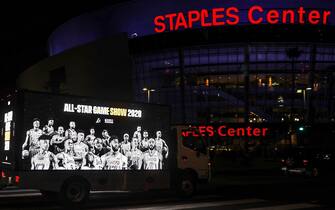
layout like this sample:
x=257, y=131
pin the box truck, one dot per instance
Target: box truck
x=70, y=145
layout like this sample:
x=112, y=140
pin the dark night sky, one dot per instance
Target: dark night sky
x=25, y=28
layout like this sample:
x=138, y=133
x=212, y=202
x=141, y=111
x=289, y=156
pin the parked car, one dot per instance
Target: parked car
x=309, y=162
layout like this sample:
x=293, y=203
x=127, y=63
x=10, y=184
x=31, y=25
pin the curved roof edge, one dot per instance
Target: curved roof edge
x=136, y=17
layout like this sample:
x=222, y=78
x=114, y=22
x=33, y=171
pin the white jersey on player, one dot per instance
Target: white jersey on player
x=67, y=161
x=114, y=161
x=80, y=149
x=33, y=135
x=97, y=162
x=152, y=160
x=135, y=159
x=125, y=148
x=42, y=161
x=160, y=144
x=69, y=133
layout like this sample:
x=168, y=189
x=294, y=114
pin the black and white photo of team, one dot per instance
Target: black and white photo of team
x=70, y=149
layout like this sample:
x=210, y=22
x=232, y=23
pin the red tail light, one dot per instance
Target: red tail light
x=3, y=175
x=17, y=179
x=305, y=162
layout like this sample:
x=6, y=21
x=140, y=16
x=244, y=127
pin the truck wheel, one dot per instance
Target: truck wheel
x=187, y=186
x=74, y=192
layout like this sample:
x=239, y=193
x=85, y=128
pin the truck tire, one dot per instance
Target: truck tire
x=187, y=185
x=74, y=192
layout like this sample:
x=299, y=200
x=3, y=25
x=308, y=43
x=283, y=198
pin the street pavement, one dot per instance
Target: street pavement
x=295, y=193
x=198, y=202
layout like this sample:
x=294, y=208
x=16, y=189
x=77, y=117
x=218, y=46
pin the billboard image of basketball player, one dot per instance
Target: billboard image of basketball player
x=125, y=145
x=66, y=159
x=48, y=129
x=99, y=148
x=161, y=145
x=152, y=159
x=144, y=144
x=89, y=140
x=138, y=133
x=57, y=141
x=80, y=148
x=135, y=159
x=114, y=160
x=71, y=131
x=105, y=138
x=91, y=162
x=43, y=160
x=30, y=147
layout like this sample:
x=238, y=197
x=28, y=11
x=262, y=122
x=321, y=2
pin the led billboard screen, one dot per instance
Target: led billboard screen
x=73, y=133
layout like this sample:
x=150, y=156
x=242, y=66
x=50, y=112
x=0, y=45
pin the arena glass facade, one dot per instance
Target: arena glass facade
x=241, y=73
x=240, y=82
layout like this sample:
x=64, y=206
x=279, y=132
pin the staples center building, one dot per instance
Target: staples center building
x=212, y=61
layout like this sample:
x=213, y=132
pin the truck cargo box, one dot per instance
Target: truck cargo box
x=47, y=139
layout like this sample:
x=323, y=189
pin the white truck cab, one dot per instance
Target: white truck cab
x=192, y=153
x=193, y=160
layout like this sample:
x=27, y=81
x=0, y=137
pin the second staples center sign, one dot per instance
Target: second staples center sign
x=226, y=131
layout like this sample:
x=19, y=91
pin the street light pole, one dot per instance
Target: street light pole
x=148, y=91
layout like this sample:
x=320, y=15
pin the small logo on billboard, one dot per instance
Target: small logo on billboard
x=109, y=121
x=98, y=121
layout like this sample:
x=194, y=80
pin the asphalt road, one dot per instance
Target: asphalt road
x=291, y=193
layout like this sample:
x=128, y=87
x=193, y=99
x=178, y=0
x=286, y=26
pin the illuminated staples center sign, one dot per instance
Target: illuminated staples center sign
x=232, y=133
x=226, y=131
x=233, y=15
x=102, y=110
